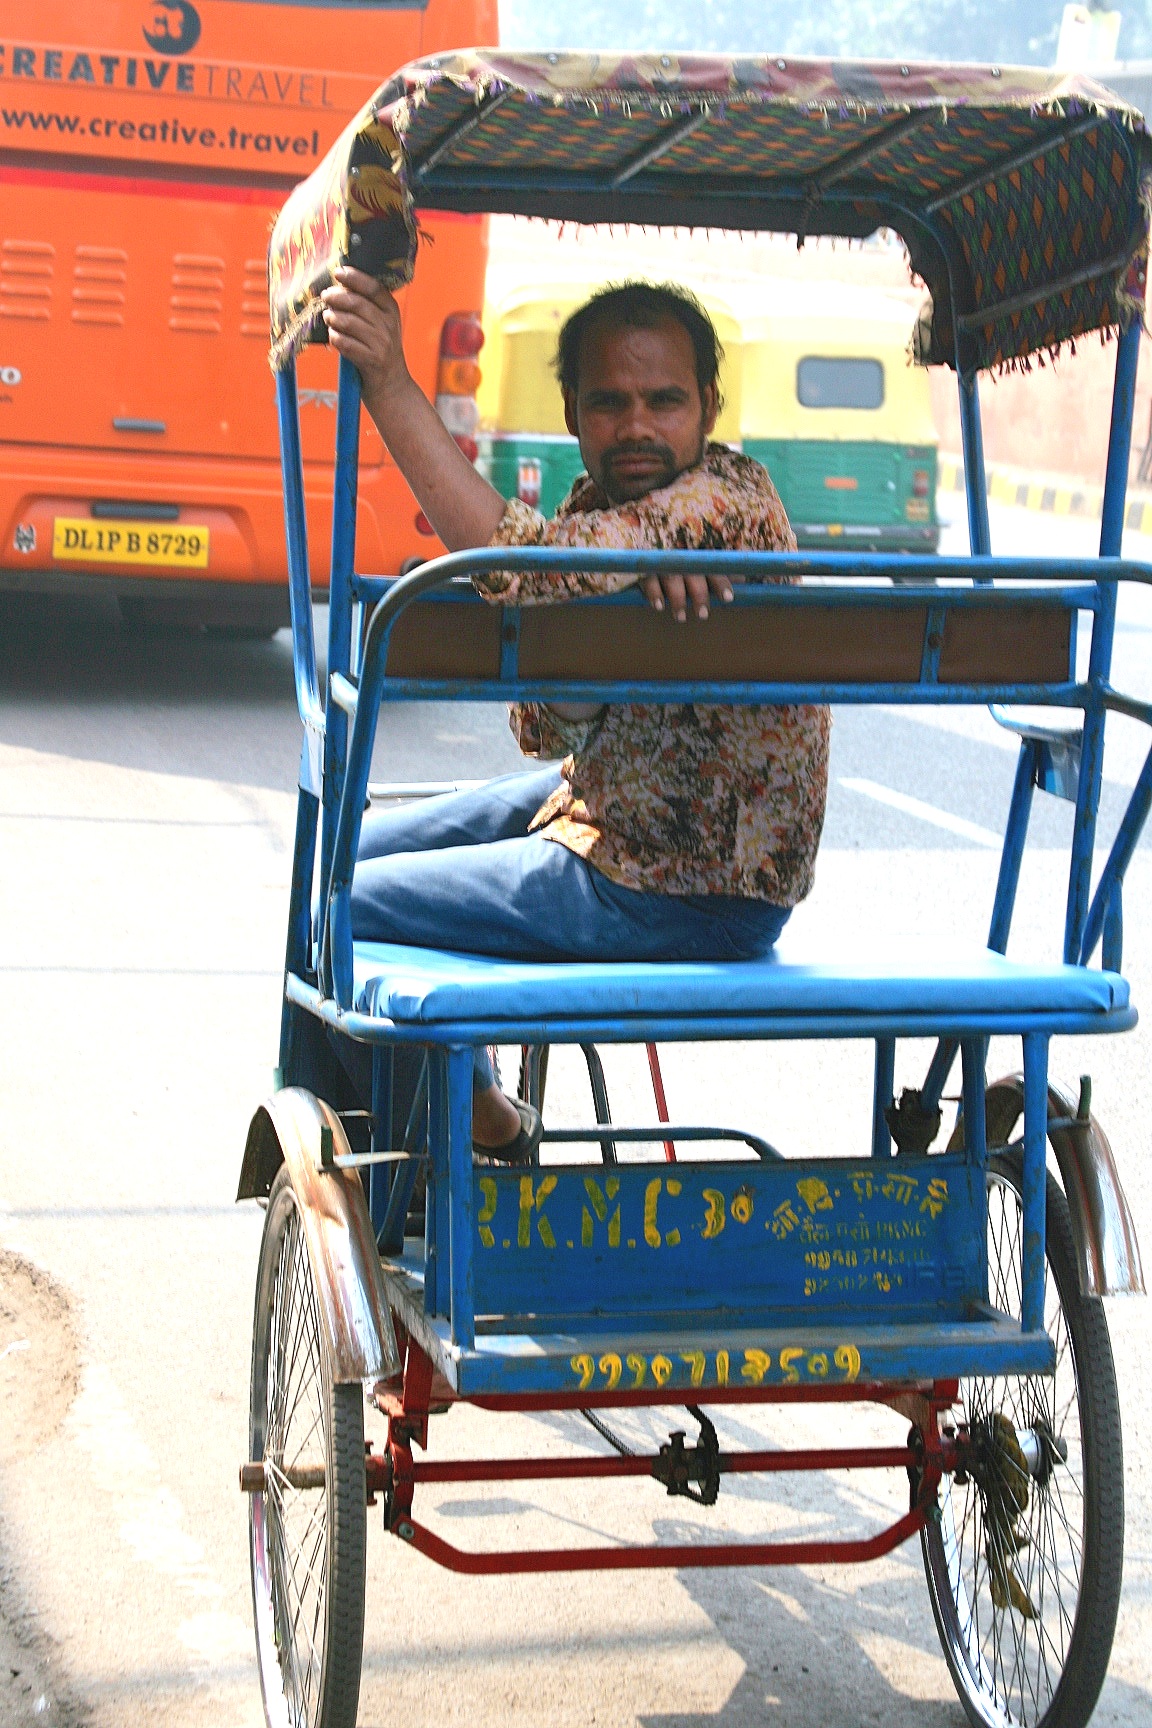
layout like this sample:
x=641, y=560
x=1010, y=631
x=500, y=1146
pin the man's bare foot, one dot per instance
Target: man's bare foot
x=495, y=1119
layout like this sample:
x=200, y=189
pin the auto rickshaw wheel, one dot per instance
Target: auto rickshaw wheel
x=1024, y=1559
x=308, y=1526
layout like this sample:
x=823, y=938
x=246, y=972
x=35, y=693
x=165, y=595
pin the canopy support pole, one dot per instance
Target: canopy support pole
x=344, y=491
x=975, y=479
x=1103, y=629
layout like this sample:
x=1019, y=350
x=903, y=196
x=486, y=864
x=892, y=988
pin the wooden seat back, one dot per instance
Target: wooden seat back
x=995, y=638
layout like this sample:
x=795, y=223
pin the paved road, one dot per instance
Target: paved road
x=146, y=800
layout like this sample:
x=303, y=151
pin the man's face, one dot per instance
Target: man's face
x=637, y=409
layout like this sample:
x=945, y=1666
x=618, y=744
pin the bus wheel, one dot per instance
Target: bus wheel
x=246, y=616
x=140, y=616
x=241, y=632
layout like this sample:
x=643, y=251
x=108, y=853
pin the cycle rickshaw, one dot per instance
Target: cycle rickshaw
x=958, y=1284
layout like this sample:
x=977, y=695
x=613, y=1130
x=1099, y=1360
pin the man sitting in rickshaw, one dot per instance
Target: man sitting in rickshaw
x=669, y=832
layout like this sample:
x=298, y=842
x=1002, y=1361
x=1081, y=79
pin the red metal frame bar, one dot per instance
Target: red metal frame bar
x=396, y=1474
x=942, y=1393
x=677, y=1555
x=731, y=1463
x=661, y=1101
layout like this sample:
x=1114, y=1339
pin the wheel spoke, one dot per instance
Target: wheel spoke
x=1007, y=1566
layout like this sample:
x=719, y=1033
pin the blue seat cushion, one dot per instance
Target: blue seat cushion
x=426, y=985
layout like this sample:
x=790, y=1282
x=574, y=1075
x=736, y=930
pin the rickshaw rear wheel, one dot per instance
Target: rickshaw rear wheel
x=1024, y=1559
x=308, y=1527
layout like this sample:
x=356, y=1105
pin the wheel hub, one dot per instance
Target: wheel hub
x=1007, y=1464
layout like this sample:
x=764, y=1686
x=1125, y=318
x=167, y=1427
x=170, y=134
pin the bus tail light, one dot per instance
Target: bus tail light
x=528, y=480
x=920, y=483
x=458, y=379
x=462, y=336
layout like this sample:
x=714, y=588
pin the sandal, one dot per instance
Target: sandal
x=522, y=1150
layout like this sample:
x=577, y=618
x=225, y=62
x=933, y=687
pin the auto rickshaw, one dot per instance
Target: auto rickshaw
x=842, y=420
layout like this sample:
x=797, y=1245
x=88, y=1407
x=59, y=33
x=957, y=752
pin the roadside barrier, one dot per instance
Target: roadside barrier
x=1057, y=495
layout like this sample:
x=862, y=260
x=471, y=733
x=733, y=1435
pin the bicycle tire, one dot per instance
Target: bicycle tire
x=1008, y=1668
x=309, y=1622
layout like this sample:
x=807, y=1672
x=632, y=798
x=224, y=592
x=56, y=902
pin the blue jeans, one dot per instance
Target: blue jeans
x=462, y=871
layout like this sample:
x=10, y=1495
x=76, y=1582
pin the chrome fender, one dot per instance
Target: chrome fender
x=1107, y=1251
x=353, y=1302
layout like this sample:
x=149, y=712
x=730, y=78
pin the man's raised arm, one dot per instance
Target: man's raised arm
x=363, y=323
x=364, y=326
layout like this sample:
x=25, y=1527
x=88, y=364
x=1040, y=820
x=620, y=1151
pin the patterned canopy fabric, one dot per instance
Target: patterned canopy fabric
x=1022, y=194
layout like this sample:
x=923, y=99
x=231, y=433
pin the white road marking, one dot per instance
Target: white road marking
x=217, y=1638
x=152, y=1520
x=12, y=1240
x=923, y=812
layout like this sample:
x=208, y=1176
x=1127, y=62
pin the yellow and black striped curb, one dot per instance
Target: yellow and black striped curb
x=1023, y=491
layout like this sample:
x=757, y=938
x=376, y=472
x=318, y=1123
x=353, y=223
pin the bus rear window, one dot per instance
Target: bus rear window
x=832, y=381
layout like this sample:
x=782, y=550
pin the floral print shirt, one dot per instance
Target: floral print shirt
x=681, y=798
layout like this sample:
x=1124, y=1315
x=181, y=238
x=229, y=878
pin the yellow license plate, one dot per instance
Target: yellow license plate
x=84, y=540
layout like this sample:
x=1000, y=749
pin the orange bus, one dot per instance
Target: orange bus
x=145, y=147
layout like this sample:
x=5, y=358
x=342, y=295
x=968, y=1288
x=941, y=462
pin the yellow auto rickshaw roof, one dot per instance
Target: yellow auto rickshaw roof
x=832, y=321
x=1020, y=193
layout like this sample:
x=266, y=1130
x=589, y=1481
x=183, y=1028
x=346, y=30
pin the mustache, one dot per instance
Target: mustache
x=657, y=452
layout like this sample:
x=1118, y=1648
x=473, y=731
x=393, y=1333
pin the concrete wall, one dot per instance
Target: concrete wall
x=1053, y=419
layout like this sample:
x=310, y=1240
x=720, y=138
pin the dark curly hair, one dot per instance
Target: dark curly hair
x=640, y=305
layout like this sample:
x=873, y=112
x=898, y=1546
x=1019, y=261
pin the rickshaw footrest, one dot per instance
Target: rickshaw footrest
x=645, y=1556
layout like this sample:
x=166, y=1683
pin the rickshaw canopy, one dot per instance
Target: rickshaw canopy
x=1021, y=194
